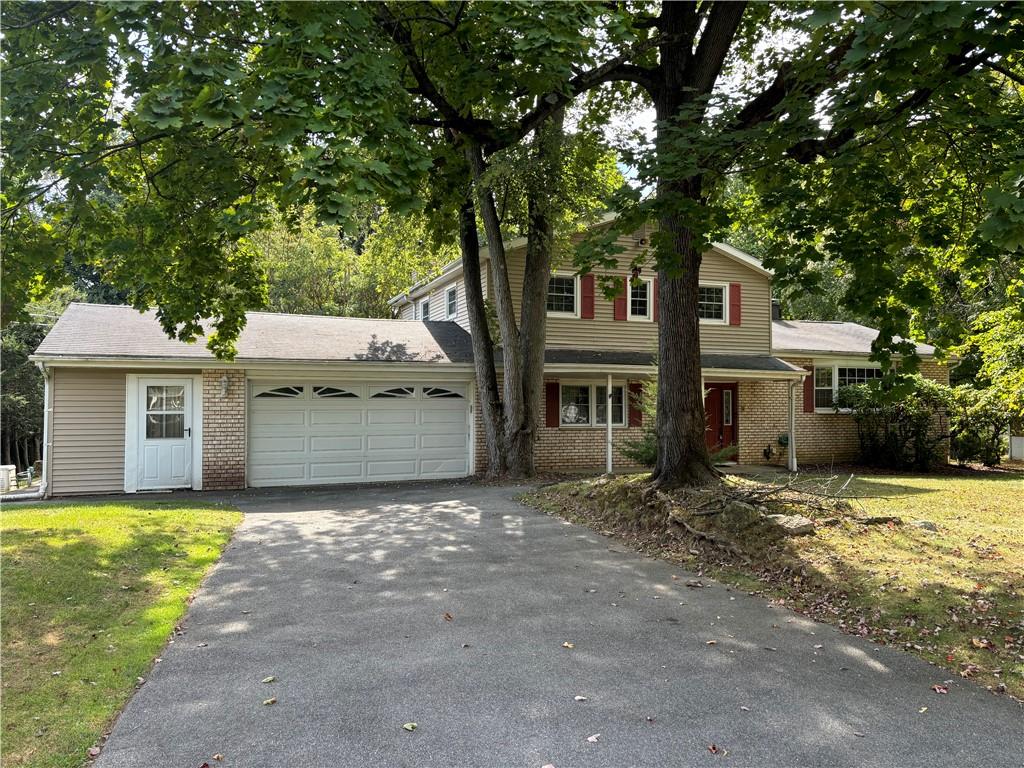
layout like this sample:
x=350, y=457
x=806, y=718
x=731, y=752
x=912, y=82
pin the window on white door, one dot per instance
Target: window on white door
x=165, y=412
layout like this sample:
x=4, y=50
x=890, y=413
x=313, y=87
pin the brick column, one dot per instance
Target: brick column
x=223, y=429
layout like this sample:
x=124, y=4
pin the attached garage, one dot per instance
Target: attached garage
x=307, y=400
x=322, y=432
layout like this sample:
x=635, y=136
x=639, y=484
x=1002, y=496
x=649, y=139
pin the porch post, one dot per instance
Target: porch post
x=608, y=423
x=791, y=449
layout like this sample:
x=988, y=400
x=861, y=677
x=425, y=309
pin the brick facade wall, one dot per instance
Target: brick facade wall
x=565, y=448
x=224, y=444
x=821, y=438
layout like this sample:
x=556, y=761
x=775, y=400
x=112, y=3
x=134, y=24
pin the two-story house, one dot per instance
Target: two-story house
x=325, y=400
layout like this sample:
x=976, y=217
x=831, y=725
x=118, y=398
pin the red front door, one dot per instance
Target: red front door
x=720, y=410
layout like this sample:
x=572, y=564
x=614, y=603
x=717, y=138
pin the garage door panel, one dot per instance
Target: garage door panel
x=277, y=417
x=444, y=416
x=277, y=444
x=279, y=472
x=443, y=441
x=319, y=443
x=337, y=472
x=332, y=417
x=442, y=467
x=376, y=416
x=309, y=440
x=391, y=442
x=381, y=470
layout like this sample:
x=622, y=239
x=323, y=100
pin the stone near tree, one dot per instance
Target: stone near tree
x=738, y=515
x=792, y=525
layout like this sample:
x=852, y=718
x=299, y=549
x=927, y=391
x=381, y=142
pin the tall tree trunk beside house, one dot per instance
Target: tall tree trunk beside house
x=522, y=339
x=681, y=83
x=543, y=207
x=489, y=397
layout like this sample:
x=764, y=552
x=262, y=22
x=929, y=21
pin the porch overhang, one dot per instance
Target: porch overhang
x=714, y=366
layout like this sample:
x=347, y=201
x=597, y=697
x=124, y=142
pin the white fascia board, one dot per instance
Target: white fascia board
x=824, y=354
x=367, y=368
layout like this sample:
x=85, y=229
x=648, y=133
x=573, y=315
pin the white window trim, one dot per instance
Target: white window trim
x=835, y=365
x=447, y=302
x=419, y=307
x=576, y=295
x=725, y=304
x=593, y=423
x=649, y=317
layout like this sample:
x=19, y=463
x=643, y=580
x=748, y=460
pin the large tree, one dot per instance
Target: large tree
x=755, y=89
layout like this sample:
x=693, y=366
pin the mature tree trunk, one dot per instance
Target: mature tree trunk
x=686, y=76
x=542, y=202
x=483, y=346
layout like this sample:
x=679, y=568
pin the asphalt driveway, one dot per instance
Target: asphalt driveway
x=448, y=606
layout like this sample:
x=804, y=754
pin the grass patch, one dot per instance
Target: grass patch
x=954, y=596
x=90, y=595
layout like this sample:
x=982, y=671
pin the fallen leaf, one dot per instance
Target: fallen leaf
x=269, y=679
x=410, y=726
x=940, y=688
x=465, y=645
x=649, y=719
x=218, y=757
x=93, y=751
x=769, y=648
x=819, y=646
x=447, y=616
x=271, y=700
x=744, y=709
x=694, y=584
x=200, y=645
x=711, y=642
x=713, y=749
x=548, y=765
x=579, y=698
x=593, y=739
x=858, y=733
x=567, y=644
x=922, y=710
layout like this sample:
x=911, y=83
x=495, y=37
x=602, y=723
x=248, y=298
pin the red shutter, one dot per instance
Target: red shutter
x=735, y=304
x=619, y=304
x=636, y=415
x=809, y=392
x=587, y=297
x=654, y=297
x=551, y=403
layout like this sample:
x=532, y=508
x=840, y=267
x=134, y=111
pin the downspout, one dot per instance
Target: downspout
x=44, y=478
x=791, y=443
x=608, y=422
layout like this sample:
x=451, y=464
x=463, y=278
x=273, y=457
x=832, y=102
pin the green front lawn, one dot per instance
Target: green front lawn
x=954, y=596
x=90, y=595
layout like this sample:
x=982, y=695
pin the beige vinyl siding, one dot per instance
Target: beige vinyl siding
x=87, y=455
x=438, y=306
x=604, y=332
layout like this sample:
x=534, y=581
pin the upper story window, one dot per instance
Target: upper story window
x=564, y=295
x=451, y=302
x=423, y=309
x=829, y=379
x=641, y=299
x=711, y=304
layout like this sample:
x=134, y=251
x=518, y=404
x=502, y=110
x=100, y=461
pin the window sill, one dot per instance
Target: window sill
x=706, y=321
x=589, y=426
x=569, y=315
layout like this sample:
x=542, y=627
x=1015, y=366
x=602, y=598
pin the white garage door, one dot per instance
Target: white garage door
x=307, y=433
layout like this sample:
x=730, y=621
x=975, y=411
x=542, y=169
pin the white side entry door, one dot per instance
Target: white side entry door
x=164, y=433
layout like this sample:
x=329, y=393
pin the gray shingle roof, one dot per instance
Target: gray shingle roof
x=827, y=336
x=599, y=357
x=112, y=332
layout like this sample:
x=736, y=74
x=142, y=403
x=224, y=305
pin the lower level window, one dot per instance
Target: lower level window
x=586, y=405
x=829, y=379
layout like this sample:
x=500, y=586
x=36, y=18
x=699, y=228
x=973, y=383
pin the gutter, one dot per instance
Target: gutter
x=41, y=492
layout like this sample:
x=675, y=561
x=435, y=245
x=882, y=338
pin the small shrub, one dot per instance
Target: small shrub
x=978, y=421
x=899, y=427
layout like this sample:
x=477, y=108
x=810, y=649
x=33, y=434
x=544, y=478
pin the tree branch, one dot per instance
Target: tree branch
x=714, y=45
